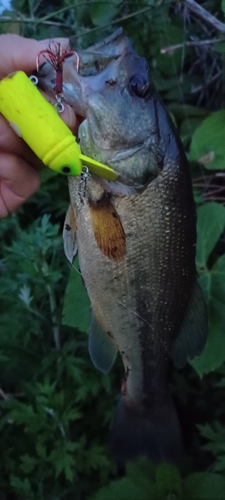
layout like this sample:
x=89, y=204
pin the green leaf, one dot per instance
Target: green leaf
x=204, y=486
x=137, y=485
x=223, y=6
x=103, y=12
x=63, y=459
x=168, y=481
x=96, y=458
x=218, y=281
x=208, y=142
x=76, y=308
x=210, y=224
x=22, y=487
x=168, y=34
x=41, y=451
x=215, y=435
x=28, y=464
x=213, y=355
x=125, y=489
x=220, y=464
x=212, y=433
x=219, y=47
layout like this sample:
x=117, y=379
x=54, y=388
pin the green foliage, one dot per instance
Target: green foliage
x=168, y=481
x=138, y=483
x=103, y=12
x=211, y=223
x=208, y=142
x=164, y=482
x=204, y=486
x=49, y=383
x=223, y=6
x=76, y=311
x=55, y=408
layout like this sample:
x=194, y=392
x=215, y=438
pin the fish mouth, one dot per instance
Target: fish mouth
x=98, y=65
x=96, y=92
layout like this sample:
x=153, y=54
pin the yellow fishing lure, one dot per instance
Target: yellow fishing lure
x=38, y=123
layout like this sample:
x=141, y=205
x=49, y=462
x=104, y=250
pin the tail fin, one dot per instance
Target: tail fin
x=154, y=433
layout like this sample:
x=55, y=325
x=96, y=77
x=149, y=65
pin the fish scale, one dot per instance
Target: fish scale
x=137, y=214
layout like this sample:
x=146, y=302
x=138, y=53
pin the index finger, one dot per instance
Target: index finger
x=18, y=53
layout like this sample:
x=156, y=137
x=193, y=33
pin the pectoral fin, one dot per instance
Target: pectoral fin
x=193, y=334
x=107, y=228
x=69, y=235
x=102, y=348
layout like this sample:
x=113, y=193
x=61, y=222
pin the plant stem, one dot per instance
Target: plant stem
x=27, y=20
x=195, y=43
x=205, y=15
x=53, y=308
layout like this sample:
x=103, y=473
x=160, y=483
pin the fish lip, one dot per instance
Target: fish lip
x=77, y=87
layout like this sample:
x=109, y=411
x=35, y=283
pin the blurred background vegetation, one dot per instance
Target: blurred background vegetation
x=55, y=408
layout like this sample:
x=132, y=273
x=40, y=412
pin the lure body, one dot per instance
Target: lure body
x=37, y=122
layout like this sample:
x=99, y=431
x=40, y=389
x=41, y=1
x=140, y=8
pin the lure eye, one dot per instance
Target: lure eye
x=139, y=86
x=66, y=170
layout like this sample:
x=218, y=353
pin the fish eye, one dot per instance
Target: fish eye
x=139, y=86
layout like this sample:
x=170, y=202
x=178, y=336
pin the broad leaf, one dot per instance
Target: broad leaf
x=210, y=224
x=208, y=146
x=223, y=6
x=168, y=481
x=63, y=459
x=202, y=486
x=76, y=308
x=124, y=489
x=138, y=484
x=103, y=12
x=213, y=355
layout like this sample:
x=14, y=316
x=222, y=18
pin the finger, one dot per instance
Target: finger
x=11, y=143
x=18, y=53
x=18, y=181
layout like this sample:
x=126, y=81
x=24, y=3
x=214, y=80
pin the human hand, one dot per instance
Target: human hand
x=19, y=167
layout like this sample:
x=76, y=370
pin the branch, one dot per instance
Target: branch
x=27, y=20
x=3, y=395
x=204, y=14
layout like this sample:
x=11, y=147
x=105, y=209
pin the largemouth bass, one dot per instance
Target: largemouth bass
x=135, y=239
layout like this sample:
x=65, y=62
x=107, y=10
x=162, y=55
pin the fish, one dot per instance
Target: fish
x=136, y=241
